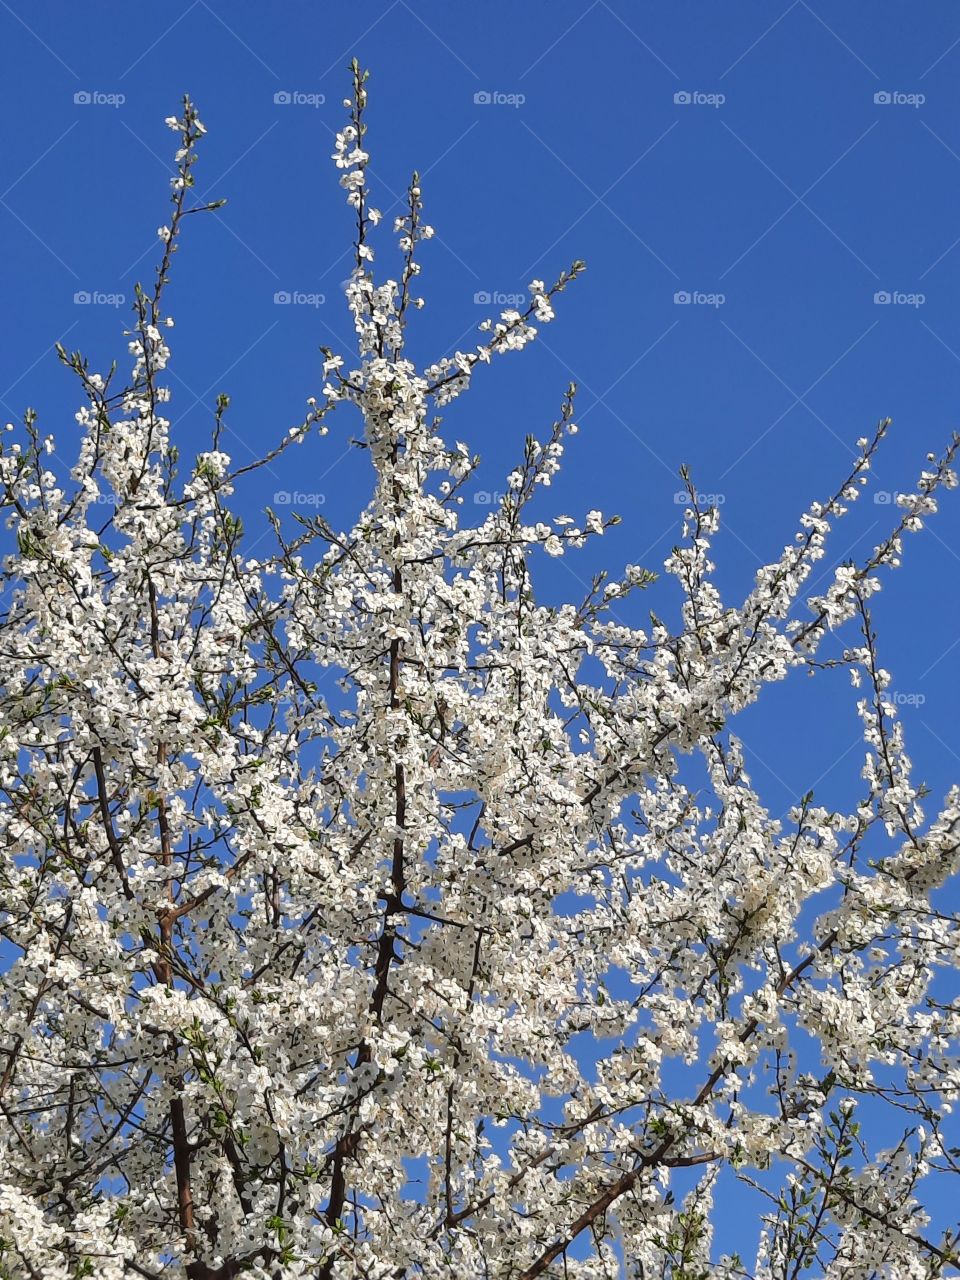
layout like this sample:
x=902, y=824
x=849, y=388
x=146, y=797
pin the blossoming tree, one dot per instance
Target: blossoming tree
x=357, y=918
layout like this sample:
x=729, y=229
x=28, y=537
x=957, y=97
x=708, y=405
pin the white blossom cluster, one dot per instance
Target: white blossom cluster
x=358, y=920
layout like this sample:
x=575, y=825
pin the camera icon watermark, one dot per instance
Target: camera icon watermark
x=297, y=498
x=695, y=98
x=297, y=298
x=486, y=498
x=887, y=497
x=297, y=98
x=696, y=298
x=497, y=298
x=896, y=298
x=682, y=499
x=497, y=98
x=96, y=98
x=894, y=98
x=95, y=298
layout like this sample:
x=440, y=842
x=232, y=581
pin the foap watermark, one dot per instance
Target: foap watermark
x=682, y=499
x=96, y=298
x=696, y=98
x=488, y=498
x=97, y=98
x=888, y=497
x=895, y=98
x=297, y=298
x=297, y=498
x=297, y=98
x=497, y=98
x=896, y=298
x=900, y=699
x=497, y=298
x=696, y=298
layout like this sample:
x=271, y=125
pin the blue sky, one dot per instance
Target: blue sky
x=789, y=165
x=783, y=186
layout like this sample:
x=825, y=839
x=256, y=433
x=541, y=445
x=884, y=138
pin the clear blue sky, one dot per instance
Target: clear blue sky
x=784, y=186
x=798, y=198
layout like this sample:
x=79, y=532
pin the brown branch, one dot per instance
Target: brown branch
x=164, y=968
x=393, y=906
x=112, y=841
